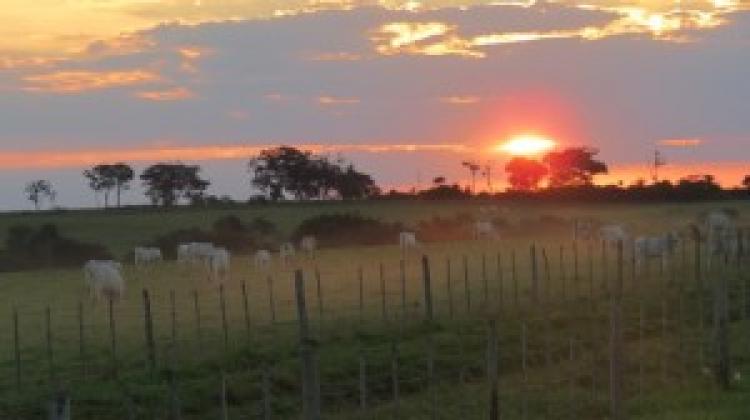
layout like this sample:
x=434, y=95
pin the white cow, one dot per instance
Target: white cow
x=147, y=256
x=309, y=245
x=721, y=235
x=219, y=264
x=485, y=230
x=613, y=234
x=407, y=240
x=104, y=279
x=648, y=247
x=194, y=252
x=286, y=253
x=262, y=259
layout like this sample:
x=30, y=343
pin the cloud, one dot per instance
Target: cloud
x=74, y=81
x=460, y=100
x=167, y=95
x=335, y=56
x=681, y=142
x=335, y=101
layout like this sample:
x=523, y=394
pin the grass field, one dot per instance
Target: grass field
x=663, y=352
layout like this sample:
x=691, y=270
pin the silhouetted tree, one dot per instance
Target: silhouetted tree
x=438, y=180
x=525, y=174
x=105, y=178
x=38, y=190
x=573, y=167
x=167, y=183
x=288, y=170
x=746, y=182
x=473, y=168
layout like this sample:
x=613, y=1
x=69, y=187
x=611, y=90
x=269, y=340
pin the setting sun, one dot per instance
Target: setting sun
x=526, y=145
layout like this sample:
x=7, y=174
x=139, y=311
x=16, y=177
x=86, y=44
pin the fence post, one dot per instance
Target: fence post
x=563, y=275
x=431, y=381
x=149, y=330
x=17, y=347
x=223, y=398
x=514, y=275
x=81, y=340
x=246, y=308
x=576, y=275
x=362, y=383
x=485, y=283
x=721, y=328
x=113, y=336
x=698, y=273
x=319, y=295
x=449, y=285
x=547, y=276
x=616, y=340
x=59, y=407
x=50, y=350
x=224, y=326
x=383, y=306
x=173, y=323
x=534, y=276
x=266, y=385
x=427, y=288
x=395, y=381
x=500, y=281
x=402, y=278
x=360, y=279
x=524, y=370
x=174, y=397
x=467, y=286
x=492, y=370
x=271, y=299
x=198, y=331
x=310, y=374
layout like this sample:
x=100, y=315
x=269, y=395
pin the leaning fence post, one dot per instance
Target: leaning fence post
x=492, y=370
x=427, y=288
x=310, y=374
x=149, y=330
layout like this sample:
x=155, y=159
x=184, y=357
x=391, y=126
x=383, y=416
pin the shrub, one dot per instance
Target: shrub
x=456, y=228
x=346, y=229
x=27, y=248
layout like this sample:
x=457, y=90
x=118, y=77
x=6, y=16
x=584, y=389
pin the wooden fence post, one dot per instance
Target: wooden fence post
x=576, y=271
x=427, y=288
x=224, y=325
x=402, y=278
x=360, y=279
x=514, y=275
x=722, y=365
x=395, y=381
x=81, y=340
x=174, y=396
x=485, y=283
x=698, y=274
x=449, y=285
x=173, y=324
x=246, y=308
x=266, y=385
x=547, y=276
x=431, y=380
x=198, y=331
x=362, y=384
x=308, y=353
x=534, y=276
x=50, y=347
x=524, y=370
x=563, y=275
x=500, y=281
x=17, y=347
x=149, y=331
x=467, y=286
x=319, y=295
x=271, y=299
x=616, y=382
x=224, y=414
x=113, y=337
x=59, y=407
x=492, y=370
x=383, y=306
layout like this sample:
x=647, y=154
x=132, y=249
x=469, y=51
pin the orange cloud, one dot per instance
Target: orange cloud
x=85, y=80
x=83, y=158
x=681, y=142
x=460, y=100
x=175, y=94
x=335, y=56
x=333, y=101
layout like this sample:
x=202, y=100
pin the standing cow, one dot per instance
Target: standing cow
x=649, y=247
x=147, y=256
x=104, y=279
x=219, y=264
x=262, y=259
x=286, y=253
x=308, y=244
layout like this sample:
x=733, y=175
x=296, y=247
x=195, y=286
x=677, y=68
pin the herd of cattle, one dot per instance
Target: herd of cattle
x=717, y=229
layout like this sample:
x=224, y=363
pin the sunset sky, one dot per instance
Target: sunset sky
x=405, y=89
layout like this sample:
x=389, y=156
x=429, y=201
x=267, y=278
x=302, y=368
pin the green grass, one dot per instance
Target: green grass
x=673, y=386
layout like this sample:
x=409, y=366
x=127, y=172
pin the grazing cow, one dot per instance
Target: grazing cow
x=309, y=244
x=262, y=259
x=613, y=234
x=147, y=256
x=407, y=240
x=485, y=230
x=286, y=253
x=648, y=247
x=104, y=279
x=219, y=265
x=195, y=252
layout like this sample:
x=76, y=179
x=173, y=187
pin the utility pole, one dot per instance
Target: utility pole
x=487, y=173
x=473, y=168
x=658, y=162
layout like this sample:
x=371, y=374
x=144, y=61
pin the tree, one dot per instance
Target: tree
x=746, y=182
x=525, y=174
x=473, y=169
x=167, y=183
x=108, y=177
x=285, y=171
x=38, y=190
x=573, y=167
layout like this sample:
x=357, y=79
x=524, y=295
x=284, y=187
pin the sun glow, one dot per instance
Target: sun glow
x=526, y=145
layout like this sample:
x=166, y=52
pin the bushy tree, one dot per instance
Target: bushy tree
x=167, y=183
x=525, y=174
x=573, y=167
x=746, y=182
x=105, y=178
x=39, y=190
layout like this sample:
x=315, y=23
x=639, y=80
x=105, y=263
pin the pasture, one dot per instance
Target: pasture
x=378, y=357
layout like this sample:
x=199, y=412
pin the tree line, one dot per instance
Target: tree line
x=286, y=172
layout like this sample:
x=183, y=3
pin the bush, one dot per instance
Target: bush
x=229, y=232
x=26, y=248
x=332, y=230
x=456, y=228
